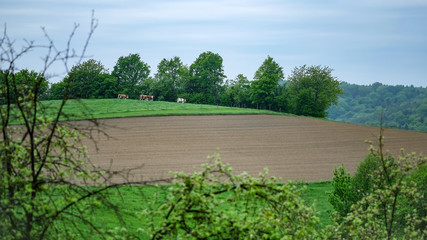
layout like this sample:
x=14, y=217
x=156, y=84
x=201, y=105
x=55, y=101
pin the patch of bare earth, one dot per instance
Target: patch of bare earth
x=293, y=148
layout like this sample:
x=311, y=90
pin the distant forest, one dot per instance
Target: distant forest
x=403, y=107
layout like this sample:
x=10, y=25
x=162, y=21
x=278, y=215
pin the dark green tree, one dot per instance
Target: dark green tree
x=239, y=91
x=85, y=79
x=169, y=79
x=343, y=195
x=106, y=86
x=280, y=102
x=130, y=72
x=266, y=79
x=349, y=190
x=206, y=76
x=225, y=96
x=312, y=90
x=57, y=90
x=304, y=103
x=23, y=82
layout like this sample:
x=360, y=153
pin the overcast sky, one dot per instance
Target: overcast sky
x=364, y=41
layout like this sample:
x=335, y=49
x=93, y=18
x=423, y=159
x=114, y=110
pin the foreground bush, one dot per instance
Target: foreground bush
x=384, y=200
x=349, y=190
x=215, y=204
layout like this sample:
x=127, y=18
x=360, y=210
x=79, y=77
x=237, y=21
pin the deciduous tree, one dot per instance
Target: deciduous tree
x=86, y=79
x=266, y=79
x=24, y=81
x=206, y=75
x=239, y=91
x=170, y=77
x=130, y=72
x=312, y=90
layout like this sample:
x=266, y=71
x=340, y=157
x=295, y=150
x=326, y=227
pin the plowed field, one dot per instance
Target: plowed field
x=293, y=148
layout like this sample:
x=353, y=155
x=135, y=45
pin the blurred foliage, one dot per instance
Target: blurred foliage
x=216, y=204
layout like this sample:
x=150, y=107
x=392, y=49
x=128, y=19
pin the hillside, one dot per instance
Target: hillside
x=403, y=107
x=296, y=148
x=119, y=108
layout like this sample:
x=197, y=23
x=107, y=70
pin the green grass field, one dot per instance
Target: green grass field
x=132, y=200
x=115, y=108
x=316, y=194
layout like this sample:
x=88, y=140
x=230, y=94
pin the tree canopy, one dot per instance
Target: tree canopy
x=15, y=85
x=266, y=79
x=238, y=91
x=312, y=90
x=130, y=72
x=206, y=76
x=169, y=79
x=89, y=80
x=404, y=107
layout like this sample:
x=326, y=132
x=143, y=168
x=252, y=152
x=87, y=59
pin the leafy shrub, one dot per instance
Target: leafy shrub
x=343, y=196
x=390, y=206
x=215, y=204
x=364, y=176
x=419, y=179
x=349, y=190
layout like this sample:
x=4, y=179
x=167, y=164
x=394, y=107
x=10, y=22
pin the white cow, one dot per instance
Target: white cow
x=181, y=100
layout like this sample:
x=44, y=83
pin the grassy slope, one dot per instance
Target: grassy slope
x=113, y=108
x=317, y=194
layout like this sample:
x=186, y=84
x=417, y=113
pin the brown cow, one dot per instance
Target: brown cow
x=146, y=97
x=122, y=96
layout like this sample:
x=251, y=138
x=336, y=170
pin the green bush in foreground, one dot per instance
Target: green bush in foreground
x=383, y=201
x=215, y=204
x=349, y=190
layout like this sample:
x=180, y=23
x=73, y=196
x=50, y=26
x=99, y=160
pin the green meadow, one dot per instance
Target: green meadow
x=133, y=200
x=115, y=108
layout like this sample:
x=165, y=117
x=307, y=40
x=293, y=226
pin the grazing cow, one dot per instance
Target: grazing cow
x=122, y=96
x=146, y=97
x=181, y=100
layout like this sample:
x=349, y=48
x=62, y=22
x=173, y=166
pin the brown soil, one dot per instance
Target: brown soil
x=293, y=148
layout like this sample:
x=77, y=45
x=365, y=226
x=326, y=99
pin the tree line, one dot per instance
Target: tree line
x=404, y=107
x=309, y=90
